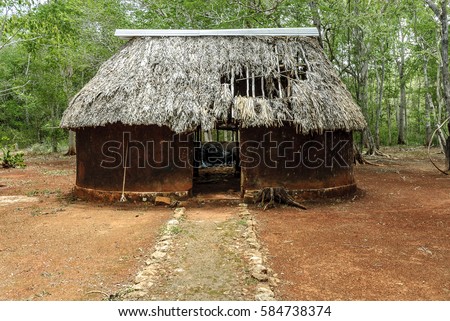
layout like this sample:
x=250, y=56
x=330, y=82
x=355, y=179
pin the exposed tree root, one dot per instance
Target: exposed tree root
x=358, y=157
x=378, y=153
x=269, y=195
x=70, y=152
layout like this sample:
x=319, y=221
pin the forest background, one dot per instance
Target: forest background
x=391, y=54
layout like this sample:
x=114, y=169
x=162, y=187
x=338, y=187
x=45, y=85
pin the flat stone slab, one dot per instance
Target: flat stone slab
x=8, y=200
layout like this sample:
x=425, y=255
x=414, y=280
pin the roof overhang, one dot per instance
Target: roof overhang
x=127, y=34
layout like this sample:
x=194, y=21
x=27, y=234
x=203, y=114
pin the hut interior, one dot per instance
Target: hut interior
x=216, y=163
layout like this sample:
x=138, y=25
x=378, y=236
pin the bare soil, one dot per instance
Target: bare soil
x=57, y=248
x=390, y=241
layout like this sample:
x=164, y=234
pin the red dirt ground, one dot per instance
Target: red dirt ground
x=58, y=249
x=388, y=242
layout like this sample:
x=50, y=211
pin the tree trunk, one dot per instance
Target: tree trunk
x=445, y=72
x=441, y=14
x=401, y=121
x=72, y=146
x=437, y=114
x=54, y=140
x=438, y=111
x=418, y=113
x=53, y=131
x=361, y=53
x=389, y=112
x=440, y=134
x=316, y=19
x=428, y=102
x=363, y=102
x=207, y=135
x=402, y=114
x=380, y=85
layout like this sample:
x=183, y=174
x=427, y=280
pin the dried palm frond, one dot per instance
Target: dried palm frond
x=179, y=82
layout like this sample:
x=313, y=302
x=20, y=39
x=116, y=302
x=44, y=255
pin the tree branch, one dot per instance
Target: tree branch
x=258, y=8
x=2, y=29
x=433, y=6
x=13, y=88
x=17, y=41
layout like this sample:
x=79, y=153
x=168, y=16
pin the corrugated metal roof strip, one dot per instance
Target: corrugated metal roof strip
x=127, y=34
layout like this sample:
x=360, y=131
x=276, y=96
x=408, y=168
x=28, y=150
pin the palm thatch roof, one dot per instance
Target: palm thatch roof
x=185, y=82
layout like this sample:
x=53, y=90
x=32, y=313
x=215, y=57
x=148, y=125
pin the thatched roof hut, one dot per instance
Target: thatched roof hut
x=184, y=82
x=181, y=81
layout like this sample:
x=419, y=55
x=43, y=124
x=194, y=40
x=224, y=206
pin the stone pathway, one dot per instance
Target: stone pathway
x=204, y=257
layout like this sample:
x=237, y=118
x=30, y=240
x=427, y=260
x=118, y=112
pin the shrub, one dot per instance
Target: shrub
x=9, y=159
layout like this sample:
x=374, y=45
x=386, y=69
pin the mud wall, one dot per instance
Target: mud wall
x=156, y=159
x=272, y=157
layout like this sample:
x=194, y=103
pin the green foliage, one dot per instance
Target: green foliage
x=50, y=49
x=222, y=14
x=10, y=159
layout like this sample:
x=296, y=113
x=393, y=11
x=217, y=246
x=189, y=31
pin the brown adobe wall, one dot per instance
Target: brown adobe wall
x=309, y=166
x=158, y=160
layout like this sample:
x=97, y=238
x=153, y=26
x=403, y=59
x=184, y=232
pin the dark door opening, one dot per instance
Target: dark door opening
x=216, y=164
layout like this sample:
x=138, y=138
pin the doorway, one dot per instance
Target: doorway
x=217, y=172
